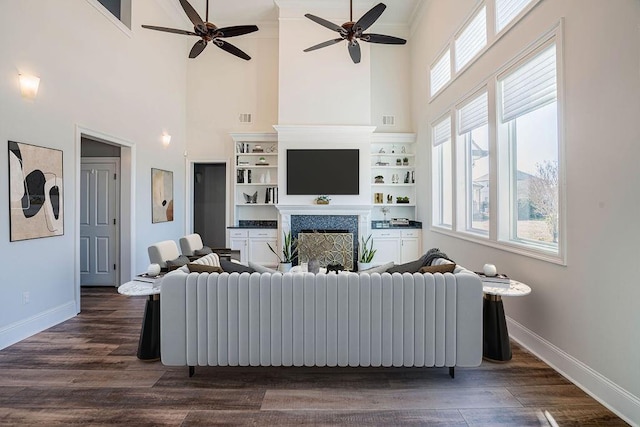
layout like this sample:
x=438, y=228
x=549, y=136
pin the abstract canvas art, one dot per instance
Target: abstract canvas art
x=35, y=192
x=161, y=195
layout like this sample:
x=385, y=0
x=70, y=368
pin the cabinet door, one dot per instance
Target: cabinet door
x=260, y=253
x=239, y=244
x=411, y=245
x=387, y=246
x=410, y=250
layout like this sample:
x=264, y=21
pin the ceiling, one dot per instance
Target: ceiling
x=252, y=11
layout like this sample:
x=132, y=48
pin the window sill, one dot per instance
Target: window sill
x=531, y=251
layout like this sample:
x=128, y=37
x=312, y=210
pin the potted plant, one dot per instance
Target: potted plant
x=289, y=252
x=405, y=161
x=398, y=162
x=366, y=253
x=322, y=200
x=379, y=179
x=402, y=199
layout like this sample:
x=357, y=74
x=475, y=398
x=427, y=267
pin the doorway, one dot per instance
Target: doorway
x=209, y=203
x=99, y=244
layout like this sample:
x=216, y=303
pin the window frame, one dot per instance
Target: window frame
x=500, y=190
x=476, y=12
x=125, y=12
x=437, y=167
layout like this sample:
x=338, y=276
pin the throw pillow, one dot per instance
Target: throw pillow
x=172, y=264
x=202, y=268
x=261, y=268
x=206, y=250
x=443, y=268
x=234, y=267
x=379, y=269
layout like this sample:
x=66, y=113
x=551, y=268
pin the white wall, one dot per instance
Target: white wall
x=95, y=76
x=583, y=317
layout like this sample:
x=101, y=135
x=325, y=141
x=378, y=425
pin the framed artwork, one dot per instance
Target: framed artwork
x=35, y=192
x=161, y=195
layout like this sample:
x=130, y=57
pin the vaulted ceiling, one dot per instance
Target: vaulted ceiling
x=398, y=12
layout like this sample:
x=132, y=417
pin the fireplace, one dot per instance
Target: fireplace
x=327, y=247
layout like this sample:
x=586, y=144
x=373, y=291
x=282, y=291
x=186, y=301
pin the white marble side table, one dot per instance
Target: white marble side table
x=149, y=343
x=495, y=336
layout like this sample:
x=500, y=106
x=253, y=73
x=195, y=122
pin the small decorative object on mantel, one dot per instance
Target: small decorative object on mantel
x=379, y=179
x=322, y=200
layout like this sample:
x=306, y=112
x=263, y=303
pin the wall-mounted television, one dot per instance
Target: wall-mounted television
x=316, y=172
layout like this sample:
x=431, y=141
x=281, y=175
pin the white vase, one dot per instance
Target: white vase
x=489, y=270
x=268, y=178
x=363, y=265
x=283, y=267
x=153, y=270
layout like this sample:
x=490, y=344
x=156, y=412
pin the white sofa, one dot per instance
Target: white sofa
x=301, y=319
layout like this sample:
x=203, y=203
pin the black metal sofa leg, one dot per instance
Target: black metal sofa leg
x=452, y=372
x=192, y=370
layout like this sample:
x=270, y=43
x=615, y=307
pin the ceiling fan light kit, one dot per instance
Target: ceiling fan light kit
x=208, y=32
x=352, y=31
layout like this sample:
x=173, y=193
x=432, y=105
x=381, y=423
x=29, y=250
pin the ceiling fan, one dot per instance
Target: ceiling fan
x=208, y=32
x=352, y=31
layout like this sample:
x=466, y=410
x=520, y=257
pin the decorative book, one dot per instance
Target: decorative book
x=144, y=277
x=498, y=278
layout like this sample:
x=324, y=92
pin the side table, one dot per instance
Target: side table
x=149, y=343
x=495, y=336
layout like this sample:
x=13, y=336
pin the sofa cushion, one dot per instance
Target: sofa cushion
x=378, y=269
x=206, y=250
x=172, y=264
x=203, y=268
x=261, y=268
x=444, y=268
x=234, y=267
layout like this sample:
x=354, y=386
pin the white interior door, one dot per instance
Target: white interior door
x=99, y=222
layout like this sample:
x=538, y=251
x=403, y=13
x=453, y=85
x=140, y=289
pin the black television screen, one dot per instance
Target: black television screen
x=317, y=172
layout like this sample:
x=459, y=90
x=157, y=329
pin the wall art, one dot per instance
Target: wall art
x=161, y=195
x=35, y=192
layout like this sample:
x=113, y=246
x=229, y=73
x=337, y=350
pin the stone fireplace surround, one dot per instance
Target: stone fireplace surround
x=355, y=219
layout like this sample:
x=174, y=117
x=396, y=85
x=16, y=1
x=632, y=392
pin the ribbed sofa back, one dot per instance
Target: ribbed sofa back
x=302, y=319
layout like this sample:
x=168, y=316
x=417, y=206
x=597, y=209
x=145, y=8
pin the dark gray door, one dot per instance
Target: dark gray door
x=209, y=203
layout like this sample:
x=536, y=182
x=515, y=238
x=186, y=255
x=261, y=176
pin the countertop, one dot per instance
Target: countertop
x=384, y=225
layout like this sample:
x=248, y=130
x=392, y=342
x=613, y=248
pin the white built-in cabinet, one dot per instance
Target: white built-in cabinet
x=393, y=175
x=255, y=172
x=397, y=245
x=252, y=244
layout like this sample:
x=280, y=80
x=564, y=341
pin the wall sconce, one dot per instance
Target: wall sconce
x=166, y=139
x=29, y=85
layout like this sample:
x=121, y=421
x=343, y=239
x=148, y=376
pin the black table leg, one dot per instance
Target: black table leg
x=495, y=336
x=149, y=344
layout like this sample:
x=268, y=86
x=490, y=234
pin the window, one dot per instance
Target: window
x=507, y=10
x=471, y=40
x=529, y=133
x=117, y=11
x=441, y=72
x=442, y=174
x=473, y=138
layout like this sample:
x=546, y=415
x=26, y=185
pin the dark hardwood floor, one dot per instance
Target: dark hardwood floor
x=85, y=371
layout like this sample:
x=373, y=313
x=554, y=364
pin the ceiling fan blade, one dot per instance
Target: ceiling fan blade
x=231, y=49
x=197, y=48
x=382, y=39
x=236, y=31
x=191, y=13
x=370, y=17
x=354, y=51
x=169, y=30
x=328, y=24
x=321, y=45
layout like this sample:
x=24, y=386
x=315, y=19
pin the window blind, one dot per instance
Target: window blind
x=442, y=132
x=473, y=114
x=441, y=72
x=472, y=39
x=531, y=86
x=506, y=10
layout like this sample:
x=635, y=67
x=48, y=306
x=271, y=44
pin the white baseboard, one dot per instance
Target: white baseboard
x=608, y=393
x=18, y=331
